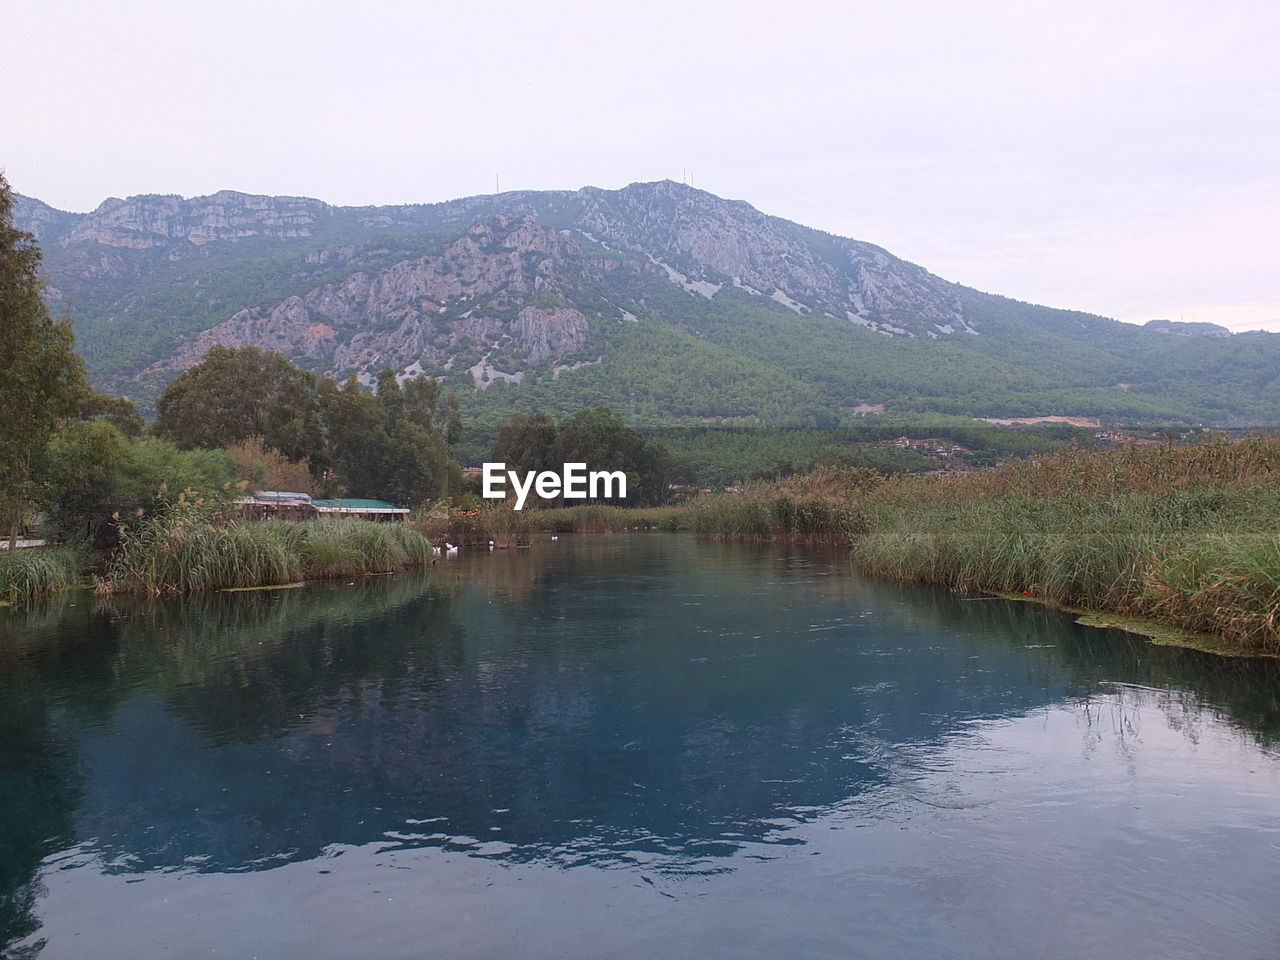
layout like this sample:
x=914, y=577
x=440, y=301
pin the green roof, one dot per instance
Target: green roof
x=356, y=505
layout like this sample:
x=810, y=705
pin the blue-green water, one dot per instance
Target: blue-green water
x=641, y=746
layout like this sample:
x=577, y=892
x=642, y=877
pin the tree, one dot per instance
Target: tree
x=94, y=479
x=266, y=468
x=41, y=378
x=120, y=412
x=601, y=439
x=452, y=419
x=389, y=444
x=524, y=442
x=357, y=434
x=237, y=393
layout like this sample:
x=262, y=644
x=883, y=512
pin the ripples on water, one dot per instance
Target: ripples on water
x=627, y=746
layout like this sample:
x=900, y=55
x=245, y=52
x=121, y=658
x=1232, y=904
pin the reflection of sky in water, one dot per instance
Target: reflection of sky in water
x=751, y=749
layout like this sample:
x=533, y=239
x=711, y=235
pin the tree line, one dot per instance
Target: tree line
x=241, y=418
x=598, y=437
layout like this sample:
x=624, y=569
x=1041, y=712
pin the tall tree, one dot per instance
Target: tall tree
x=41, y=378
x=603, y=440
x=237, y=393
x=524, y=442
x=389, y=444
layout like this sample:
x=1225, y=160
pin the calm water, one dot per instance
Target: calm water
x=628, y=747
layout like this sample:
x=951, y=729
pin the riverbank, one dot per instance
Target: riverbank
x=1174, y=541
x=37, y=571
x=183, y=552
x=503, y=526
x=1184, y=536
x=187, y=552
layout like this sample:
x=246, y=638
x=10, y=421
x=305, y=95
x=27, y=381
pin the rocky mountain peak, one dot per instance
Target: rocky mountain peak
x=158, y=220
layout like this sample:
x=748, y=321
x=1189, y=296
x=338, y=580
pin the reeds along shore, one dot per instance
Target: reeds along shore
x=41, y=570
x=504, y=526
x=181, y=551
x=1187, y=535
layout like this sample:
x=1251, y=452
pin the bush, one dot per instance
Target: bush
x=40, y=570
x=187, y=547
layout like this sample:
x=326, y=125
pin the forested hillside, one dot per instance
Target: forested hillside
x=667, y=303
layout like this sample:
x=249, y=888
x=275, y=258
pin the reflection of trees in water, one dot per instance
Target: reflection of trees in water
x=40, y=787
x=69, y=663
x=566, y=688
x=616, y=697
x=1190, y=687
x=238, y=667
x=39, y=793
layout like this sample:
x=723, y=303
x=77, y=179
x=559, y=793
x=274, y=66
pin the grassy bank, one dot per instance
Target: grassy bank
x=37, y=571
x=505, y=526
x=181, y=552
x=599, y=518
x=1188, y=536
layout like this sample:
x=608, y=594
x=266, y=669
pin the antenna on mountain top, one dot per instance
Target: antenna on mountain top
x=497, y=187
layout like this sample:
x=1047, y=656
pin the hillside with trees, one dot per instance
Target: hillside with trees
x=666, y=303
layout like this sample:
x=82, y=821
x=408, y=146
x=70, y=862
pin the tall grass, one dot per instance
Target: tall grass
x=35, y=571
x=185, y=549
x=1189, y=535
x=603, y=518
x=505, y=526
x=498, y=522
x=823, y=507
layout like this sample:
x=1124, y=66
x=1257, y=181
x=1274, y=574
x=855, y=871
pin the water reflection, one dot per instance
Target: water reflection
x=625, y=702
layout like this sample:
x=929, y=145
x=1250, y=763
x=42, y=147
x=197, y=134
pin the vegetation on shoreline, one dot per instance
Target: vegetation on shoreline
x=1188, y=536
x=499, y=523
x=182, y=550
x=40, y=570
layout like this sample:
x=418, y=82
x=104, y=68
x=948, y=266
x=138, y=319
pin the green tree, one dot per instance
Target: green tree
x=94, y=479
x=601, y=439
x=524, y=442
x=41, y=378
x=388, y=444
x=118, y=411
x=237, y=393
x=452, y=419
x=356, y=425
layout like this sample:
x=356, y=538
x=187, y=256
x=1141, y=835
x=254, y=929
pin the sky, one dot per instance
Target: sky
x=1119, y=158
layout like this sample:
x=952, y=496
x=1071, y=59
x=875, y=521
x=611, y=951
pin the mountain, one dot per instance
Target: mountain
x=663, y=300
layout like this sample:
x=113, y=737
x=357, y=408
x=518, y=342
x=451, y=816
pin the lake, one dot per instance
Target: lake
x=627, y=746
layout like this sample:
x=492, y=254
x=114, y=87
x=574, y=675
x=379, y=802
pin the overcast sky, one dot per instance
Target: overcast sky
x=1117, y=157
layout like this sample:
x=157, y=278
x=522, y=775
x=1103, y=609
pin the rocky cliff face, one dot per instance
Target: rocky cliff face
x=496, y=284
x=150, y=221
x=800, y=268
x=498, y=289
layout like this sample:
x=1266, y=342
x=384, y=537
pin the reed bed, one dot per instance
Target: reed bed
x=497, y=522
x=602, y=518
x=1186, y=535
x=36, y=571
x=186, y=550
x=823, y=507
x=1075, y=474
x=502, y=525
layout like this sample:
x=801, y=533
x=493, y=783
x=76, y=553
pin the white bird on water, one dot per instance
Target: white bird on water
x=450, y=548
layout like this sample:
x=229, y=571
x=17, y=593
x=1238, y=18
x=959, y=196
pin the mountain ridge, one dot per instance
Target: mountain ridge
x=532, y=286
